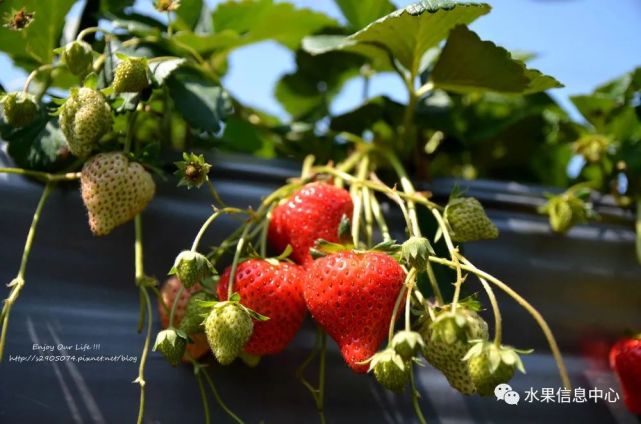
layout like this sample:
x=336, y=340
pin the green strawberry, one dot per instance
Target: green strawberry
x=192, y=320
x=390, y=370
x=19, y=109
x=78, y=56
x=171, y=344
x=407, y=343
x=192, y=268
x=447, y=341
x=84, y=119
x=415, y=251
x=228, y=327
x=490, y=365
x=567, y=210
x=468, y=221
x=131, y=75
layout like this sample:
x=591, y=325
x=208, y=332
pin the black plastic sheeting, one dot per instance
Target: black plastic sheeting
x=80, y=291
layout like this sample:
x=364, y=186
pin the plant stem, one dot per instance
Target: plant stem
x=18, y=283
x=454, y=256
x=214, y=194
x=415, y=396
x=379, y=217
x=406, y=286
x=525, y=304
x=179, y=294
x=203, y=397
x=234, y=265
x=143, y=357
x=91, y=30
x=320, y=347
x=208, y=222
x=34, y=74
x=140, y=275
x=228, y=411
x=131, y=122
x=498, y=322
x=42, y=176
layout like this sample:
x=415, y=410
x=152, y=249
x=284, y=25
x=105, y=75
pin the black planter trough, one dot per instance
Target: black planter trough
x=80, y=291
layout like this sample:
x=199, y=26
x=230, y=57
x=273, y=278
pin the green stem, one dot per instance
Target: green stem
x=454, y=256
x=397, y=304
x=34, y=74
x=214, y=194
x=175, y=305
x=203, y=397
x=42, y=176
x=208, y=222
x=131, y=122
x=379, y=217
x=228, y=411
x=143, y=357
x=91, y=30
x=415, y=396
x=140, y=276
x=525, y=304
x=18, y=283
x=498, y=322
x=234, y=266
x=320, y=347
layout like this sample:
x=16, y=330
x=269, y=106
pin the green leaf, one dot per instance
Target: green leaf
x=40, y=146
x=405, y=35
x=469, y=64
x=264, y=19
x=199, y=99
x=188, y=14
x=161, y=68
x=242, y=136
x=360, y=13
x=316, y=81
x=41, y=37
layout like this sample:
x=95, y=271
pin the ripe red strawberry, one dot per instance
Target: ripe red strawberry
x=313, y=212
x=168, y=292
x=352, y=295
x=273, y=289
x=625, y=358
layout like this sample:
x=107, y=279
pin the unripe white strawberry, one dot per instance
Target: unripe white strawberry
x=114, y=190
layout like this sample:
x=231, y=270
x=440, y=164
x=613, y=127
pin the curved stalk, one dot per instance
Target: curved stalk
x=498, y=322
x=454, y=255
x=525, y=304
x=18, y=283
x=222, y=404
x=415, y=397
x=208, y=222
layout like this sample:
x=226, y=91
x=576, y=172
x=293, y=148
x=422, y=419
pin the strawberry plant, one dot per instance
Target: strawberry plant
x=112, y=109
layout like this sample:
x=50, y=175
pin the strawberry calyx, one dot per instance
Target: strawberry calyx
x=171, y=343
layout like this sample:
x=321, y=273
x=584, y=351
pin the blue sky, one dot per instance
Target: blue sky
x=581, y=42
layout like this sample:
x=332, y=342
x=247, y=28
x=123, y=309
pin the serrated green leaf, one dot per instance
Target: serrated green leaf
x=161, y=68
x=316, y=81
x=469, y=64
x=360, y=13
x=267, y=20
x=199, y=99
x=40, y=146
x=189, y=13
x=405, y=35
